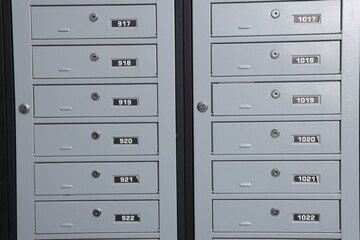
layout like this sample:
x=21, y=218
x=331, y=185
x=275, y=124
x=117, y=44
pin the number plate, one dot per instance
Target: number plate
x=306, y=217
x=123, y=62
x=126, y=179
x=307, y=139
x=307, y=18
x=127, y=218
x=126, y=102
x=306, y=178
x=123, y=23
x=306, y=100
x=126, y=140
x=303, y=60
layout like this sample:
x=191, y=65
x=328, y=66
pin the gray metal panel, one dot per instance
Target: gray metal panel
x=75, y=61
x=248, y=19
x=74, y=21
x=76, y=101
x=255, y=216
x=76, y=139
x=258, y=177
x=259, y=98
x=255, y=58
x=77, y=178
x=255, y=138
x=77, y=217
x=350, y=211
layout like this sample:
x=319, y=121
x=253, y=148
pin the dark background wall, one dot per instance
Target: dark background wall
x=7, y=127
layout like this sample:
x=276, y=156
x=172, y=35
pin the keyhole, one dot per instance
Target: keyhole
x=275, y=13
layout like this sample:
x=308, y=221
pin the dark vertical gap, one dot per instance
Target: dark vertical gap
x=188, y=118
x=10, y=119
x=3, y=152
x=179, y=49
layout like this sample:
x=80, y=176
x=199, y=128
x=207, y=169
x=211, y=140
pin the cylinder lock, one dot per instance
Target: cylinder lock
x=275, y=94
x=93, y=17
x=96, y=173
x=275, y=212
x=96, y=212
x=275, y=54
x=275, y=172
x=94, y=57
x=275, y=13
x=95, y=96
x=95, y=135
x=275, y=133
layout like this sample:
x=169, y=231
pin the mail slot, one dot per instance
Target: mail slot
x=308, y=216
x=97, y=217
x=95, y=139
x=65, y=22
x=95, y=100
x=96, y=178
x=109, y=61
x=276, y=18
x=276, y=177
x=276, y=137
x=276, y=98
x=292, y=58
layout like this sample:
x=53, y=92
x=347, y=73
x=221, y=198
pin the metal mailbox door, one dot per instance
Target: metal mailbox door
x=126, y=21
x=95, y=101
x=275, y=18
x=276, y=119
x=96, y=139
x=276, y=138
x=95, y=109
x=276, y=177
x=94, y=61
x=275, y=58
x=97, y=217
x=96, y=178
x=233, y=99
x=320, y=216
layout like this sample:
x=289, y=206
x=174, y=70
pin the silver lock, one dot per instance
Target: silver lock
x=95, y=135
x=93, y=17
x=275, y=94
x=96, y=173
x=275, y=13
x=96, y=212
x=94, y=57
x=24, y=108
x=275, y=133
x=95, y=96
x=275, y=172
x=275, y=212
x=202, y=107
x=275, y=54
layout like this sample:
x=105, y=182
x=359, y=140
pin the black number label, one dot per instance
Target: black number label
x=123, y=62
x=307, y=139
x=302, y=60
x=125, y=102
x=127, y=218
x=306, y=99
x=126, y=179
x=298, y=217
x=306, y=178
x=126, y=140
x=123, y=23
x=307, y=18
